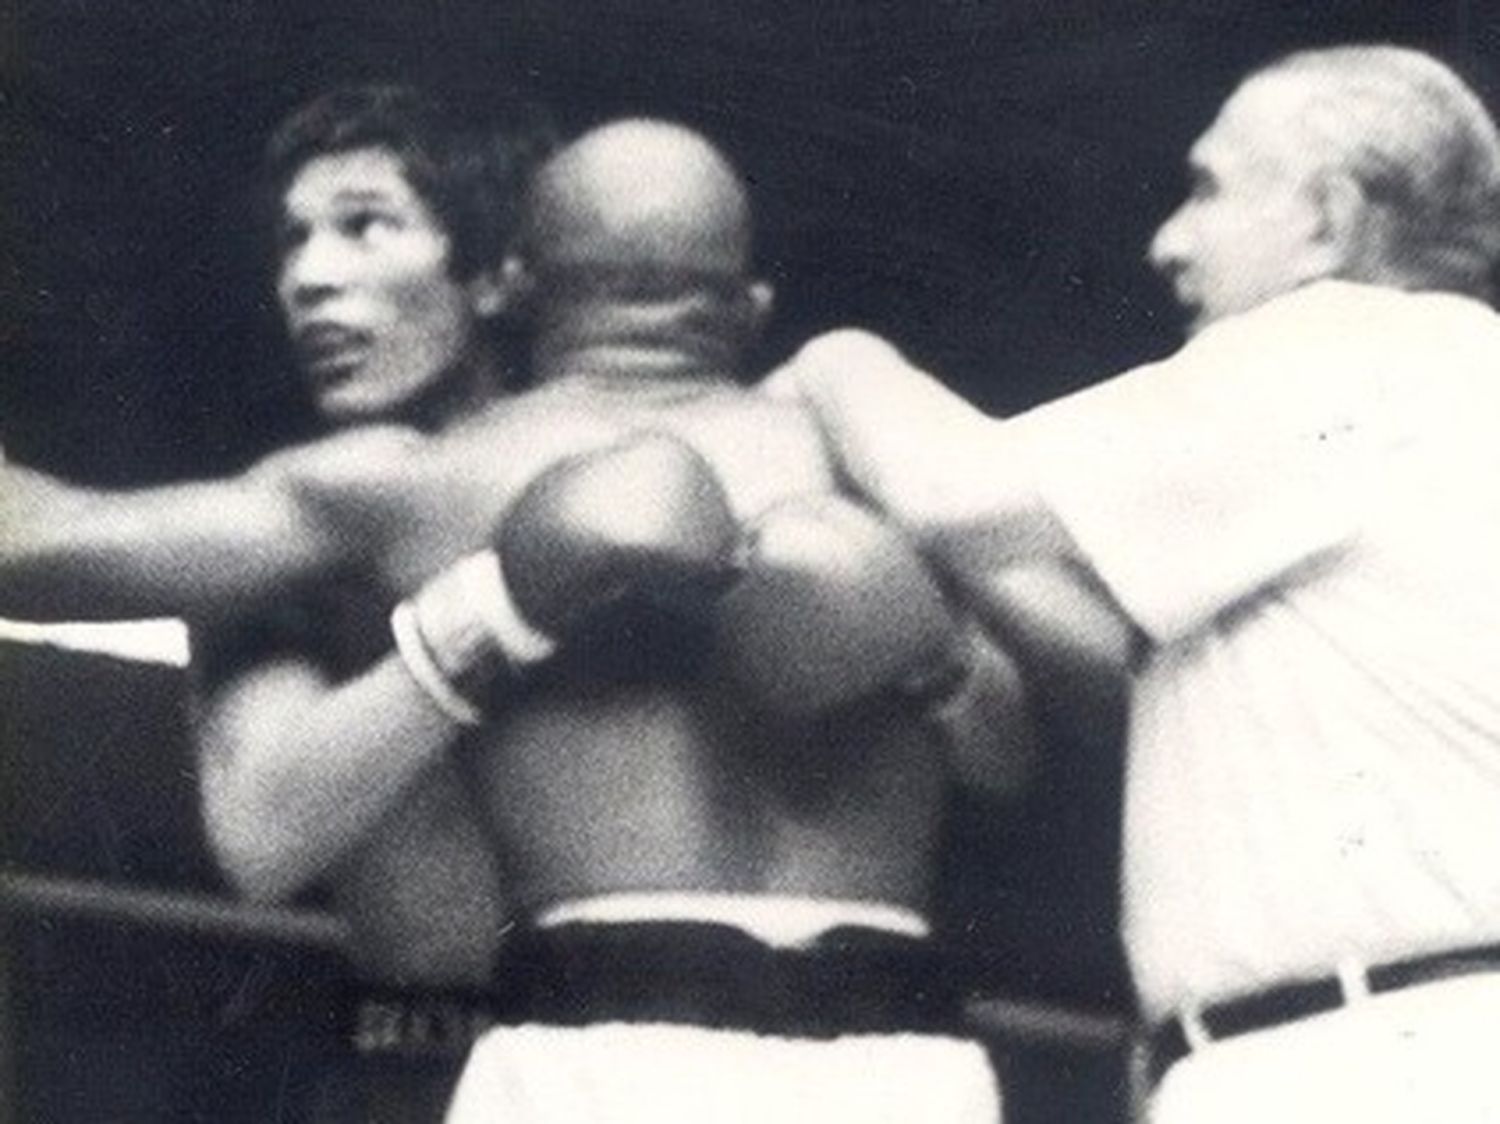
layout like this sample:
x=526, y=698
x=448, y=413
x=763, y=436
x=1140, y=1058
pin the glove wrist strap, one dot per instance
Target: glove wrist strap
x=421, y=665
x=483, y=581
x=461, y=631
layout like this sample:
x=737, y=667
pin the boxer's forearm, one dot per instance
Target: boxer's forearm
x=990, y=738
x=911, y=446
x=296, y=773
x=194, y=550
x=1074, y=647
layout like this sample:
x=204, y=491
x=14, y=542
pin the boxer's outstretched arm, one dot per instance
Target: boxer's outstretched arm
x=192, y=550
x=203, y=550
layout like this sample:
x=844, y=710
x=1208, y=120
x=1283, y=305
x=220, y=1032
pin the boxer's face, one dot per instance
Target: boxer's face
x=1249, y=228
x=374, y=314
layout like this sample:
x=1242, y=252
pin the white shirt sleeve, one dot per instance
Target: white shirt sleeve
x=1193, y=483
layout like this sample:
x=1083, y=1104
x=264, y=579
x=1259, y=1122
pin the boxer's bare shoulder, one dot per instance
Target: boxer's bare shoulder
x=764, y=449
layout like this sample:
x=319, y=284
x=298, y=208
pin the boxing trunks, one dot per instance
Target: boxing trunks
x=685, y=1018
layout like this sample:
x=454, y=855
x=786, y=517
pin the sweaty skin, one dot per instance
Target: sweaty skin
x=609, y=769
x=671, y=784
x=204, y=550
x=596, y=781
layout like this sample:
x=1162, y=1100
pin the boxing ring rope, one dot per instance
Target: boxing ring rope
x=198, y=915
x=38, y=896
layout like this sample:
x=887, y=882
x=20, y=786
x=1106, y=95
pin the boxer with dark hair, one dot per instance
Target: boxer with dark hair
x=392, y=220
x=645, y=673
x=205, y=549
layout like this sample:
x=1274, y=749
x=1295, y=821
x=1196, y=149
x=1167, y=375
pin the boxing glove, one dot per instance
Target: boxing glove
x=643, y=521
x=832, y=605
x=984, y=720
x=646, y=520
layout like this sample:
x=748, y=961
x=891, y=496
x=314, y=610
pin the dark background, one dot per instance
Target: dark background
x=976, y=180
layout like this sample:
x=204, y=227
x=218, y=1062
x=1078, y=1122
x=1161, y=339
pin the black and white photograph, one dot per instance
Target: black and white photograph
x=666, y=562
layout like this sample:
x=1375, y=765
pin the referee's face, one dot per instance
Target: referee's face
x=1249, y=228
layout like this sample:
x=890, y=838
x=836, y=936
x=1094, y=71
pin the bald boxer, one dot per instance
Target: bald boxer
x=1298, y=513
x=685, y=689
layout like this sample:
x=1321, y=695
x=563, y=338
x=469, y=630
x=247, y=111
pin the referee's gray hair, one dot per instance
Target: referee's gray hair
x=1419, y=143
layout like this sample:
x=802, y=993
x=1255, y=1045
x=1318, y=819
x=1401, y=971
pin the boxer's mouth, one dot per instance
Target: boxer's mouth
x=330, y=350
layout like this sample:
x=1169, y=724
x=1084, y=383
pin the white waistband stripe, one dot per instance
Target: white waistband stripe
x=781, y=921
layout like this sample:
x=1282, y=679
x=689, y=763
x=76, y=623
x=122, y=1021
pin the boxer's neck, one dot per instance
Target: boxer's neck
x=632, y=367
x=637, y=346
x=478, y=380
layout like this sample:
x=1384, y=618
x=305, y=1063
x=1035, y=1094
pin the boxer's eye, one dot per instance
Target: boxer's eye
x=360, y=224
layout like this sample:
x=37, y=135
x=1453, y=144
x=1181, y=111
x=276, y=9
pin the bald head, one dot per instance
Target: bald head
x=641, y=193
x=638, y=240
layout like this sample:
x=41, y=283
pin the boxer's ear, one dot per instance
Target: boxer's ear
x=501, y=290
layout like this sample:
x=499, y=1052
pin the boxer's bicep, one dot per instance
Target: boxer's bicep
x=241, y=543
x=297, y=769
x=240, y=734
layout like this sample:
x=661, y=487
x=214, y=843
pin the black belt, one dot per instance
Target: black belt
x=851, y=980
x=1290, y=1002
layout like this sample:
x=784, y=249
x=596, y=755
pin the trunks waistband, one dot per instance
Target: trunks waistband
x=778, y=920
x=393, y=1022
x=850, y=979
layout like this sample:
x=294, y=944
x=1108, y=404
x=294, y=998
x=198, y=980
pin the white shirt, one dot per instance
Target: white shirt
x=1302, y=509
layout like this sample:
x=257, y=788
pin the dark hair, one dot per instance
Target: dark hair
x=472, y=173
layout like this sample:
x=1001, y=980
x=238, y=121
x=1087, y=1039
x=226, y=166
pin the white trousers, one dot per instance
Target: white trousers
x=620, y=1073
x=1425, y=1054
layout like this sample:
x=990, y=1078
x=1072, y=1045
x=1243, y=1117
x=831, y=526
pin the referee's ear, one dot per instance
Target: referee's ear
x=1350, y=235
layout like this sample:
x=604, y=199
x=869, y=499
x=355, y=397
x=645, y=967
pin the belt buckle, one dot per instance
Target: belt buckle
x=1354, y=980
x=1195, y=1031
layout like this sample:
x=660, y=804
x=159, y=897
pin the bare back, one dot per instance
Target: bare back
x=660, y=778
x=623, y=764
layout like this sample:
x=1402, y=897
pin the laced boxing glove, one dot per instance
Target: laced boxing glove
x=834, y=608
x=645, y=520
x=831, y=606
x=820, y=605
